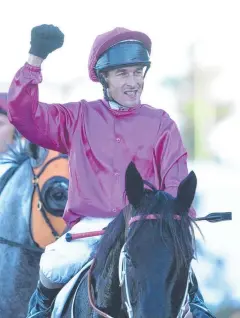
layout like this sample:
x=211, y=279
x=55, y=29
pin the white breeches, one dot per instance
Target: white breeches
x=61, y=260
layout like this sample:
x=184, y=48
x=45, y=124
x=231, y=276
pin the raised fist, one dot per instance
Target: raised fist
x=45, y=39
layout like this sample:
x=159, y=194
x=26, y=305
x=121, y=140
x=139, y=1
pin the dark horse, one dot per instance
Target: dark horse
x=19, y=252
x=141, y=266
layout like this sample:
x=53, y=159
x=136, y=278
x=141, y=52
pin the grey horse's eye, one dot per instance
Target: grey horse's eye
x=55, y=194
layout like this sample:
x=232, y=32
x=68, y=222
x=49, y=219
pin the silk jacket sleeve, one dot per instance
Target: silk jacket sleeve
x=48, y=125
x=171, y=157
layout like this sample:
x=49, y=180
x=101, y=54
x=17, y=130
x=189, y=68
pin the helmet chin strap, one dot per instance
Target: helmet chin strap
x=114, y=104
x=117, y=106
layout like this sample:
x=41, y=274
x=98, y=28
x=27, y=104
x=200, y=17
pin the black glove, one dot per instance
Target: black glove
x=45, y=39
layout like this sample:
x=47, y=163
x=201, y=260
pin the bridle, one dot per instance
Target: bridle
x=122, y=273
x=41, y=206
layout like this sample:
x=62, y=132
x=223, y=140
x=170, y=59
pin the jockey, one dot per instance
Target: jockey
x=100, y=137
x=7, y=130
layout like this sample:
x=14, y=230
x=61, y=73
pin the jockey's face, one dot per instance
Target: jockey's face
x=6, y=132
x=125, y=85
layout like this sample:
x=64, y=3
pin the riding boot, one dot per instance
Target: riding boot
x=42, y=301
x=196, y=302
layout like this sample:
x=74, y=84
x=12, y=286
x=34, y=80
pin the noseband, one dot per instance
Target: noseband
x=122, y=272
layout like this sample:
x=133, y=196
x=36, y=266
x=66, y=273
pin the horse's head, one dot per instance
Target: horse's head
x=154, y=238
x=159, y=247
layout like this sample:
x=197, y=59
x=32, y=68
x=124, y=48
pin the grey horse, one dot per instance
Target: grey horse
x=20, y=255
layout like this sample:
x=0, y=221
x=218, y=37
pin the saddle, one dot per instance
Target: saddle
x=69, y=291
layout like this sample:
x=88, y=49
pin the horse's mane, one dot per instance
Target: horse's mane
x=105, y=275
x=114, y=233
x=15, y=154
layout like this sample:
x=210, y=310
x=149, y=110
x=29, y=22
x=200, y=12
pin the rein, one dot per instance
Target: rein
x=90, y=294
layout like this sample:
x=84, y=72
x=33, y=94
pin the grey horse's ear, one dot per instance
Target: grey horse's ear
x=32, y=150
x=134, y=185
x=186, y=193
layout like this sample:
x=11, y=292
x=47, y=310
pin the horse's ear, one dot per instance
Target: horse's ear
x=134, y=185
x=186, y=193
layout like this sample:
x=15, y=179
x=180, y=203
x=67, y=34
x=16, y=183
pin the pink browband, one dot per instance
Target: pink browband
x=151, y=217
x=70, y=236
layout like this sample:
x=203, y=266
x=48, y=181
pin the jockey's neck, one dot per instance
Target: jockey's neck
x=116, y=106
